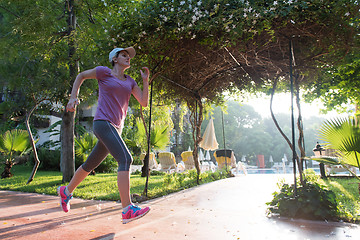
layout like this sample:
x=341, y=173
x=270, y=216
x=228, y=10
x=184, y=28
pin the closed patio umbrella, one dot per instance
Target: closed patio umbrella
x=284, y=158
x=201, y=155
x=207, y=156
x=209, y=139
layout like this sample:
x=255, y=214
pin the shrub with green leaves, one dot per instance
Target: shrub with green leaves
x=13, y=143
x=343, y=135
x=49, y=159
x=83, y=147
x=108, y=165
x=311, y=201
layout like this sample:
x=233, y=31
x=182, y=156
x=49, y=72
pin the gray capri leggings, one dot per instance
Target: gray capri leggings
x=109, y=141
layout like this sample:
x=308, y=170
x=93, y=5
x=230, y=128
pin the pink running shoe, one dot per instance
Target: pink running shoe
x=133, y=213
x=64, y=199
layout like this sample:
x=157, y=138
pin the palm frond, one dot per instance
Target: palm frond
x=343, y=135
x=327, y=160
x=15, y=141
x=159, y=136
x=85, y=144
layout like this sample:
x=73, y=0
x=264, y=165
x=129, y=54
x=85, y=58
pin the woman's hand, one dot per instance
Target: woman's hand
x=71, y=106
x=142, y=95
x=145, y=75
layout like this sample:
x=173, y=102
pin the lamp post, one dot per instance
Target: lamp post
x=319, y=151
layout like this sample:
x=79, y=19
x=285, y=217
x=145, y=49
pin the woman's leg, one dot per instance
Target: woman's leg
x=79, y=176
x=123, y=181
x=97, y=155
x=110, y=137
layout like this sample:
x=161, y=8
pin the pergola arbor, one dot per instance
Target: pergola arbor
x=199, y=49
x=195, y=49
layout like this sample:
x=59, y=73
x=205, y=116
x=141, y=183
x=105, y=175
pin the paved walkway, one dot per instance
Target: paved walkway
x=228, y=209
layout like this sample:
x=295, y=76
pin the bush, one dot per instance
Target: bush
x=107, y=166
x=311, y=176
x=137, y=161
x=49, y=159
x=311, y=201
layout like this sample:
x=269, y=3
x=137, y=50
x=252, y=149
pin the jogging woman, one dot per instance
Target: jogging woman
x=115, y=89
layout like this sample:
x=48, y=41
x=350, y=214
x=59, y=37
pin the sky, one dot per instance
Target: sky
x=282, y=104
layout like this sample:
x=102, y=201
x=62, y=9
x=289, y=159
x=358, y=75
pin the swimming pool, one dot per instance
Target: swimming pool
x=273, y=171
x=262, y=171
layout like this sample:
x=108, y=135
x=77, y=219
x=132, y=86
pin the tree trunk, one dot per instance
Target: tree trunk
x=278, y=126
x=67, y=146
x=7, y=170
x=301, y=143
x=176, y=117
x=273, y=115
x=196, y=123
x=357, y=113
x=32, y=142
x=67, y=164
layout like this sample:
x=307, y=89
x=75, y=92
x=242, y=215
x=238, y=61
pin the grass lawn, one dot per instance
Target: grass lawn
x=347, y=196
x=103, y=186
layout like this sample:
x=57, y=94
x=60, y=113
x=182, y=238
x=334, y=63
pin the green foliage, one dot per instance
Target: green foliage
x=347, y=197
x=137, y=160
x=346, y=191
x=83, y=147
x=49, y=159
x=159, y=136
x=14, y=143
x=36, y=42
x=103, y=186
x=189, y=178
x=206, y=18
x=7, y=125
x=343, y=135
x=54, y=131
x=338, y=86
x=311, y=176
x=109, y=165
x=311, y=201
x=247, y=133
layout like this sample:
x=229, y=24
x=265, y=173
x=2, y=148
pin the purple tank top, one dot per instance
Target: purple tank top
x=114, y=95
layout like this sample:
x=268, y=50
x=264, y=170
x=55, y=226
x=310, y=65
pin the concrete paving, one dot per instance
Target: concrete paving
x=227, y=209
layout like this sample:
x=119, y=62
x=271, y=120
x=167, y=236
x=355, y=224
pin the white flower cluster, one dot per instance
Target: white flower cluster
x=188, y=14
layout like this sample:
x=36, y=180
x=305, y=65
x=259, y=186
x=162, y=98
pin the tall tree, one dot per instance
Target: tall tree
x=67, y=162
x=338, y=86
x=53, y=41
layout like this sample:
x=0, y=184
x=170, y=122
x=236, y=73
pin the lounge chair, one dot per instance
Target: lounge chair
x=153, y=165
x=333, y=169
x=167, y=161
x=241, y=166
x=221, y=156
x=188, y=159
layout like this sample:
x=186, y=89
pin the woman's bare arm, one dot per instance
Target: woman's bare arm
x=74, y=101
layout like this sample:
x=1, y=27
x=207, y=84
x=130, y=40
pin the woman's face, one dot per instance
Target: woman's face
x=123, y=59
